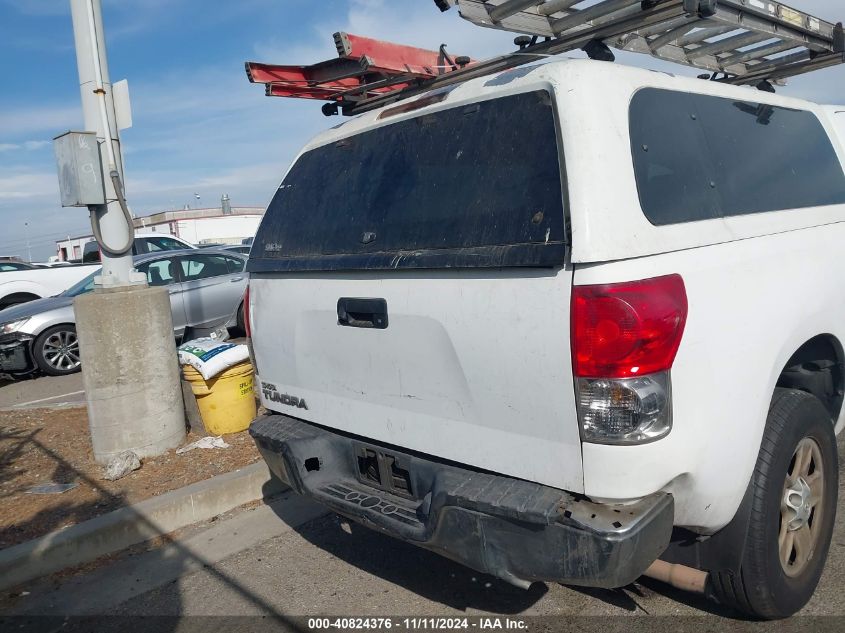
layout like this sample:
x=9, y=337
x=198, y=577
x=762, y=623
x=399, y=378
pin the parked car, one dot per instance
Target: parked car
x=144, y=243
x=560, y=322
x=52, y=264
x=29, y=283
x=8, y=266
x=206, y=291
x=238, y=248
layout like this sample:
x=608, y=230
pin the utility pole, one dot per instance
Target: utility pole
x=108, y=220
x=28, y=249
x=129, y=367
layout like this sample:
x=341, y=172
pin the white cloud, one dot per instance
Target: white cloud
x=26, y=145
x=29, y=185
x=29, y=120
x=33, y=145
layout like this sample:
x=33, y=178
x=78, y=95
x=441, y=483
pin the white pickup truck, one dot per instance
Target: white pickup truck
x=20, y=286
x=563, y=321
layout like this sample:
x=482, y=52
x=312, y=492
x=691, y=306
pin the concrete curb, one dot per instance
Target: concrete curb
x=134, y=524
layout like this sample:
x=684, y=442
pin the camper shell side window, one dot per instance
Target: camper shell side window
x=698, y=157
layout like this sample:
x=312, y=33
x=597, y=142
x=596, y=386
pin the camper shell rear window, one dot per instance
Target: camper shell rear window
x=471, y=186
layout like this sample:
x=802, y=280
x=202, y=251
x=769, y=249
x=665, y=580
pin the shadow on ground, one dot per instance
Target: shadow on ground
x=418, y=570
x=16, y=443
x=439, y=579
x=176, y=554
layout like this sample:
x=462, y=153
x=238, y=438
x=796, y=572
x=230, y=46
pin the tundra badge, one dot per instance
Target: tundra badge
x=271, y=393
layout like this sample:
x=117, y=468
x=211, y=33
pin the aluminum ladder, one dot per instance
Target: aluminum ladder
x=746, y=40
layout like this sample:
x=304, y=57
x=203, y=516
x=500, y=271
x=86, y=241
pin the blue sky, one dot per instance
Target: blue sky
x=199, y=125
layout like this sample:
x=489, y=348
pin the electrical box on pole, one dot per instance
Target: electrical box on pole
x=80, y=169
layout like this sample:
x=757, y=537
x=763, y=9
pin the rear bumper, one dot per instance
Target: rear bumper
x=16, y=354
x=513, y=529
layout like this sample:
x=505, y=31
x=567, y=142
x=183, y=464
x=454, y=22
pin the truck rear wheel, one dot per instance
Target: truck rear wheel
x=794, y=487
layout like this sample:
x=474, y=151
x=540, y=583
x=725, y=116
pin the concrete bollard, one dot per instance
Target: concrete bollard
x=130, y=371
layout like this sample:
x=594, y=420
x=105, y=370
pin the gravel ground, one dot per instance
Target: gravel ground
x=44, y=445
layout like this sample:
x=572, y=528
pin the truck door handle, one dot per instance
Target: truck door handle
x=366, y=313
x=235, y=279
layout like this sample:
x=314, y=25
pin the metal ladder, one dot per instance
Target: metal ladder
x=744, y=42
x=747, y=40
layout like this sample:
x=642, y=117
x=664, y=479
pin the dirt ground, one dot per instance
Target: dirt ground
x=53, y=446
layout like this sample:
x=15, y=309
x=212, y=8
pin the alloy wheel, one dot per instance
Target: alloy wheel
x=801, y=508
x=61, y=350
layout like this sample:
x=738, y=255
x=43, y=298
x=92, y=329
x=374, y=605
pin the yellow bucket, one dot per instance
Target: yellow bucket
x=226, y=402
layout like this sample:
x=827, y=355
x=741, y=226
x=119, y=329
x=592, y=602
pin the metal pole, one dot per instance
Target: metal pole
x=28, y=249
x=98, y=111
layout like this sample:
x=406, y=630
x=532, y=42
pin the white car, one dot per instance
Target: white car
x=559, y=322
x=144, y=243
x=28, y=283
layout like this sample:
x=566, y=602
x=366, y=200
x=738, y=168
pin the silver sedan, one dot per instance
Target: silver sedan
x=206, y=291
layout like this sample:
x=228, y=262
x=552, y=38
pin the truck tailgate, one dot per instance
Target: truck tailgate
x=473, y=366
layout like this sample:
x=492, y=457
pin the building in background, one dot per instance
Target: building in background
x=220, y=225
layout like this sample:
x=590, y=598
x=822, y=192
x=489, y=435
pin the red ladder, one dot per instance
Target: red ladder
x=363, y=69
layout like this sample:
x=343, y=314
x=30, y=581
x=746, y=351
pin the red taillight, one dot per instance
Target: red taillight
x=627, y=329
x=246, y=313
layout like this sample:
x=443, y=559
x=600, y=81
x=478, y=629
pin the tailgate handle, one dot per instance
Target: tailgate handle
x=368, y=313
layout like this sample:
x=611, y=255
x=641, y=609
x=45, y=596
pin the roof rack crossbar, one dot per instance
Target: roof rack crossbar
x=509, y=7
x=600, y=10
x=672, y=35
x=662, y=27
x=759, y=53
x=553, y=6
x=375, y=85
x=729, y=44
x=707, y=32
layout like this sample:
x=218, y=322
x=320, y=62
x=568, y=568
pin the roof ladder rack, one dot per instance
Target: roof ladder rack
x=746, y=40
x=743, y=42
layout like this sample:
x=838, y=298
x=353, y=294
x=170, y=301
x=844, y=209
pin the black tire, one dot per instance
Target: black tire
x=16, y=299
x=56, y=351
x=799, y=427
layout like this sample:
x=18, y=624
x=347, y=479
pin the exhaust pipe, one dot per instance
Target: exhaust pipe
x=679, y=576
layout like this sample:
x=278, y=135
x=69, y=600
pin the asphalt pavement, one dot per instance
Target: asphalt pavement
x=293, y=559
x=52, y=392
x=42, y=391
